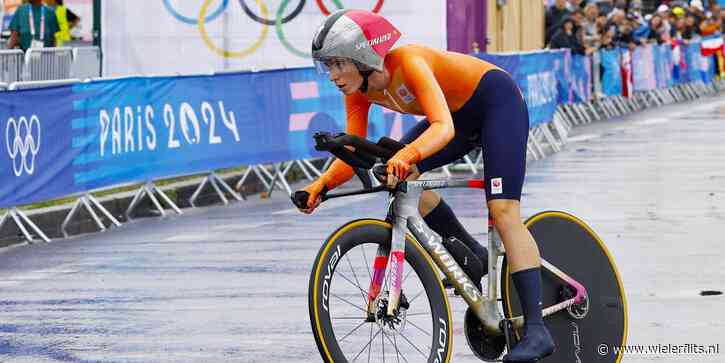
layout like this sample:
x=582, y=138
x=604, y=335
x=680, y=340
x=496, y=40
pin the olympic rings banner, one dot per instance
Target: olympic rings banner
x=35, y=162
x=104, y=133
x=168, y=37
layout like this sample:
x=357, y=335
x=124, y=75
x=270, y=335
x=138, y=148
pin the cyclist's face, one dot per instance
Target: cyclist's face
x=345, y=75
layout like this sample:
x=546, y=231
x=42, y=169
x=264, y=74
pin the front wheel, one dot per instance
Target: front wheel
x=594, y=330
x=338, y=303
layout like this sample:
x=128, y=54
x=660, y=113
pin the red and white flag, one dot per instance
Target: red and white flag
x=626, y=70
x=711, y=44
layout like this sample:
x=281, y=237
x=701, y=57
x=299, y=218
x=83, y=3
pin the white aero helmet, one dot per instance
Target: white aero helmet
x=359, y=35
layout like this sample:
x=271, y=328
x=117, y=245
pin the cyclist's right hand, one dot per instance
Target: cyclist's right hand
x=313, y=193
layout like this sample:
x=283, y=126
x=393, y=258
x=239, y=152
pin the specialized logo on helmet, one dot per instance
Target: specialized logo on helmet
x=375, y=41
x=22, y=139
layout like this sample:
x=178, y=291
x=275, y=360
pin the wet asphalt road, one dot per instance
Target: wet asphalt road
x=229, y=284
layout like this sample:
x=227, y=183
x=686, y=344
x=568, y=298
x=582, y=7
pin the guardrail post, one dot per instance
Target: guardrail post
x=148, y=189
x=215, y=181
x=88, y=202
x=20, y=220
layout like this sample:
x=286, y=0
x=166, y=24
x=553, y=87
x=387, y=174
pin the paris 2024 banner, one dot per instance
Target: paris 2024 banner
x=166, y=37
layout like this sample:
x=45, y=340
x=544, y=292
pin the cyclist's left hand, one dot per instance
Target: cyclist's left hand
x=399, y=165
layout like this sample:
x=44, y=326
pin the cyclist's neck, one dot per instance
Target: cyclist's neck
x=379, y=81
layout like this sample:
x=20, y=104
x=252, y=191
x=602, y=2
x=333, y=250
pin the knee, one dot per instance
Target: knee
x=506, y=213
x=428, y=201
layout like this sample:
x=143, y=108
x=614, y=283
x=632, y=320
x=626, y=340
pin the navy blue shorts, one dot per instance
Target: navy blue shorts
x=495, y=118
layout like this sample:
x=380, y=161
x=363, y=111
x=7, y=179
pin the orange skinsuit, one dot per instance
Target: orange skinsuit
x=423, y=81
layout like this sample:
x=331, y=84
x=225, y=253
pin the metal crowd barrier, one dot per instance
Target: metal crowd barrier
x=40, y=84
x=44, y=64
x=544, y=139
x=86, y=62
x=12, y=63
x=49, y=64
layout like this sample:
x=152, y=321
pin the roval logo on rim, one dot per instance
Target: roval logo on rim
x=23, y=143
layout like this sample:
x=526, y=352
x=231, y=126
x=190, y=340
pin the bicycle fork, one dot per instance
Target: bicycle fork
x=396, y=258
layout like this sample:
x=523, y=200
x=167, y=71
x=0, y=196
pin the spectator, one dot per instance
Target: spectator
x=689, y=32
x=621, y=5
x=717, y=15
x=710, y=25
x=698, y=12
x=554, y=17
x=722, y=20
x=602, y=22
x=566, y=38
x=624, y=37
x=61, y=13
x=635, y=7
x=590, y=28
x=663, y=11
x=679, y=29
x=575, y=5
x=33, y=26
x=658, y=32
x=615, y=20
x=640, y=28
x=677, y=16
x=607, y=40
x=578, y=17
x=605, y=6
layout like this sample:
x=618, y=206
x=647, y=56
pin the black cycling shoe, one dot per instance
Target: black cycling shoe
x=536, y=344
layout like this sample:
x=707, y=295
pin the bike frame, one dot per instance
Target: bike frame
x=405, y=218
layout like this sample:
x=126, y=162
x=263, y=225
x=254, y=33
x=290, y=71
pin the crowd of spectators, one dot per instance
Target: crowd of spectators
x=587, y=25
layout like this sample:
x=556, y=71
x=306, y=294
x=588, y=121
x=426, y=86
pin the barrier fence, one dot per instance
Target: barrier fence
x=11, y=65
x=86, y=63
x=73, y=137
x=49, y=64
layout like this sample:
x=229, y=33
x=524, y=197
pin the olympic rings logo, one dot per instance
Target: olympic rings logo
x=207, y=15
x=25, y=142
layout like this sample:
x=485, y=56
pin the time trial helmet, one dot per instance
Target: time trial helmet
x=358, y=35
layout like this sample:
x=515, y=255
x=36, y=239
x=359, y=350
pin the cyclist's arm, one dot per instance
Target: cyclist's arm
x=356, y=107
x=419, y=75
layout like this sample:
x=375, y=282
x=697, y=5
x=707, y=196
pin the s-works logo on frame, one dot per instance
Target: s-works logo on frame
x=22, y=140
